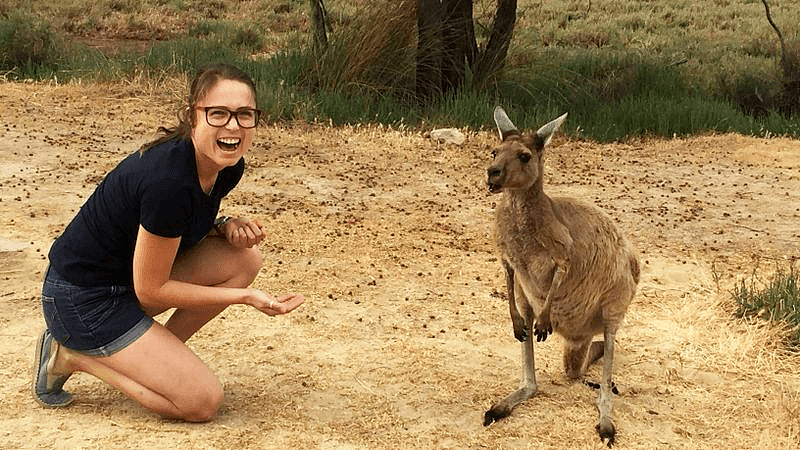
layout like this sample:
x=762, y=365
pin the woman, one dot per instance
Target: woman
x=147, y=241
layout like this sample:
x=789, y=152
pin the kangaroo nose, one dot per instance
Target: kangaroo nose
x=494, y=172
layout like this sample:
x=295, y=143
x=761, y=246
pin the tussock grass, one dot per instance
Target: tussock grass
x=247, y=38
x=778, y=301
x=369, y=60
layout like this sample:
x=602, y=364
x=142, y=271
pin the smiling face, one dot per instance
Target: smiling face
x=220, y=147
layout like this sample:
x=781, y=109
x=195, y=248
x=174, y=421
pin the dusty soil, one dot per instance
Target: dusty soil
x=404, y=340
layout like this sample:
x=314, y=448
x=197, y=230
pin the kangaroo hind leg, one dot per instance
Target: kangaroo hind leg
x=605, y=427
x=527, y=386
x=577, y=356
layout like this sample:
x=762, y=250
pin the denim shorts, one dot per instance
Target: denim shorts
x=94, y=320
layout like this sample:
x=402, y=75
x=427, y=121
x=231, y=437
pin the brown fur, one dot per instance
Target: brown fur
x=568, y=267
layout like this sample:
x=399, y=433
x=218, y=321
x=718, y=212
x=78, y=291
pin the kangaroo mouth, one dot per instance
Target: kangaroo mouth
x=494, y=188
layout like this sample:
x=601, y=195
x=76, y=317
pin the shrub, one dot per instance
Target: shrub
x=759, y=89
x=28, y=45
x=247, y=38
x=790, y=65
x=755, y=92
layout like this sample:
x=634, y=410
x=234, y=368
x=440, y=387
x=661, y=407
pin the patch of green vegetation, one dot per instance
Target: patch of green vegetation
x=368, y=60
x=779, y=301
x=246, y=38
x=619, y=69
x=29, y=47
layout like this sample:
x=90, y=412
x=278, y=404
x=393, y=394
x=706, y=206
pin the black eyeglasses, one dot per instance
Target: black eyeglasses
x=217, y=116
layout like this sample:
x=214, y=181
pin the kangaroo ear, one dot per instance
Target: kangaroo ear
x=504, y=125
x=544, y=134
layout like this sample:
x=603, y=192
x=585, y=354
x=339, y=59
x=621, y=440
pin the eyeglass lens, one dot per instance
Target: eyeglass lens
x=220, y=117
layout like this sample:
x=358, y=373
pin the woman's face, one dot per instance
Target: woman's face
x=218, y=147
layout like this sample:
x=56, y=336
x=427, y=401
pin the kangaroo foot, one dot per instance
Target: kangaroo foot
x=606, y=431
x=496, y=413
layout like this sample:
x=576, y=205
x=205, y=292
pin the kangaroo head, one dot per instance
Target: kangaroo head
x=517, y=160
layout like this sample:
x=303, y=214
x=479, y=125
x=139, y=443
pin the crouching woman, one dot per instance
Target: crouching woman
x=148, y=240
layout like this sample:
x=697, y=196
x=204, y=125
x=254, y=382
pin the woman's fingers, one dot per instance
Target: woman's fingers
x=247, y=233
x=284, y=304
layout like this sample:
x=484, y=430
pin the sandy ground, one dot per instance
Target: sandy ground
x=404, y=340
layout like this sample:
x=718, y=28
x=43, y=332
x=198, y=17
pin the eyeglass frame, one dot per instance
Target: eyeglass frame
x=231, y=114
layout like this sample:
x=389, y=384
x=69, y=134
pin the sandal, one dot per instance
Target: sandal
x=47, y=388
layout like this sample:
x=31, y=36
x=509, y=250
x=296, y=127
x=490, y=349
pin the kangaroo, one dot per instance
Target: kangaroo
x=568, y=269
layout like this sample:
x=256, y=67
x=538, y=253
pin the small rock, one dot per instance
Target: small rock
x=448, y=136
x=9, y=246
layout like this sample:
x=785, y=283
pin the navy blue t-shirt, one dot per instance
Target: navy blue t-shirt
x=160, y=190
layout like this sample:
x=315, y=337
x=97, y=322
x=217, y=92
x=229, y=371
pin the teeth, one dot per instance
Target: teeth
x=230, y=141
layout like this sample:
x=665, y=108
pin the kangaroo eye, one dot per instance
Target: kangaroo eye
x=524, y=157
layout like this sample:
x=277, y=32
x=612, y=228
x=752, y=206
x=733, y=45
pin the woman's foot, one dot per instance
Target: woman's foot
x=47, y=387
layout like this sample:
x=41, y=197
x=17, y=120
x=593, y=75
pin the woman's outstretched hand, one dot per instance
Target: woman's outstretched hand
x=243, y=233
x=275, y=306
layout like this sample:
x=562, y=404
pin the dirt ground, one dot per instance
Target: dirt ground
x=404, y=340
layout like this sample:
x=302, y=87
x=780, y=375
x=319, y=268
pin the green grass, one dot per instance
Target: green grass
x=624, y=68
x=30, y=46
x=779, y=302
x=246, y=38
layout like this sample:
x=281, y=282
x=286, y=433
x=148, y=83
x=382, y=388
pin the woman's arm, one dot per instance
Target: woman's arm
x=153, y=258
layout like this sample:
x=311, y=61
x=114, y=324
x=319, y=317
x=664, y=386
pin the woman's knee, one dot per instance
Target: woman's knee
x=203, y=405
x=217, y=262
x=250, y=264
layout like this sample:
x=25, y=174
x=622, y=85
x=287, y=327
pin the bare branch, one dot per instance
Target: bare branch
x=777, y=31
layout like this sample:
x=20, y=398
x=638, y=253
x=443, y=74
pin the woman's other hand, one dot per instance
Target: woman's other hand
x=243, y=233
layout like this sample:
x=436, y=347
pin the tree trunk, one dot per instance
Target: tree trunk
x=457, y=35
x=429, y=50
x=320, y=27
x=790, y=68
x=446, y=46
x=493, y=58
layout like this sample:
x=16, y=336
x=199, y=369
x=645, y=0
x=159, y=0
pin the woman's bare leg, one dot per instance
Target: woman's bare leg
x=158, y=370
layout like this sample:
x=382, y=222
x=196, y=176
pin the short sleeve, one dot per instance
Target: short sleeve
x=165, y=209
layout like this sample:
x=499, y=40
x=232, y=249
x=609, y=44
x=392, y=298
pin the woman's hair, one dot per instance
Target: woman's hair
x=205, y=78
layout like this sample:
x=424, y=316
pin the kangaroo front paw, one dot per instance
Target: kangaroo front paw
x=541, y=329
x=521, y=333
x=593, y=385
x=521, y=327
x=606, y=431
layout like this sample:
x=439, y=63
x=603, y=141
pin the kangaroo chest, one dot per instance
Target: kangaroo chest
x=533, y=266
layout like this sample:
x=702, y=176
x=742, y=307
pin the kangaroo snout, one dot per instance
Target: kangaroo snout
x=494, y=176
